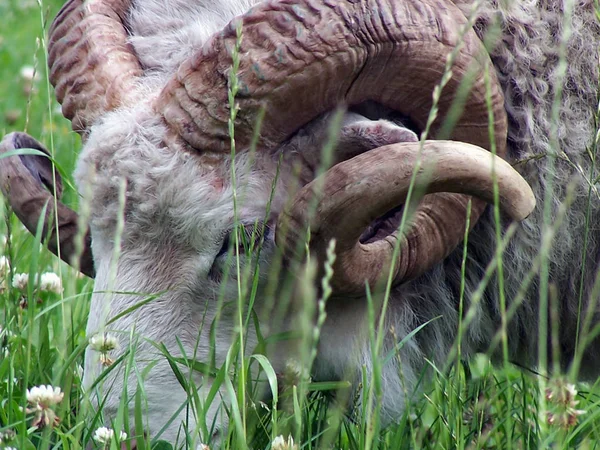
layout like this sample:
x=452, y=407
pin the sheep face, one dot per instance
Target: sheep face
x=161, y=225
x=177, y=215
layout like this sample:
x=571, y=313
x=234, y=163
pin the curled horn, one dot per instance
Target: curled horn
x=92, y=67
x=367, y=186
x=300, y=58
x=27, y=182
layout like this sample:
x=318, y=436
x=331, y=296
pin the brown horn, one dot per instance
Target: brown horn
x=93, y=68
x=369, y=185
x=27, y=182
x=300, y=58
x=92, y=65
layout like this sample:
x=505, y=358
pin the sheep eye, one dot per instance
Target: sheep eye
x=249, y=238
x=225, y=247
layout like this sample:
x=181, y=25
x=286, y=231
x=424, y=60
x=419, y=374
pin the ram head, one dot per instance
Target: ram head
x=170, y=169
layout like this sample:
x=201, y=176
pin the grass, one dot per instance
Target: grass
x=470, y=405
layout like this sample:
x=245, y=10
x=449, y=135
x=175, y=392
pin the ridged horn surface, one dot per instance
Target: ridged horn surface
x=301, y=58
x=92, y=66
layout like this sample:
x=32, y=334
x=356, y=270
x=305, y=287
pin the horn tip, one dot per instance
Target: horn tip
x=525, y=206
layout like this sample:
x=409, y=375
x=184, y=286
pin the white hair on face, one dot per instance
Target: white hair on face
x=164, y=34
x=178, y=211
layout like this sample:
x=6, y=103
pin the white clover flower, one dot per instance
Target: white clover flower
x=28, y=73
x=50, y=282
x=41, y=398
x=561, y=396
x=203, y=447
x=104, y=342
x=294, y=373
x=280, y=443
x=7, y=436
x=572, y=391
x=104, y=435
x=44, y=396
x=20, y=281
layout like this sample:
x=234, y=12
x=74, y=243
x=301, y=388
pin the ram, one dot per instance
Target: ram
x=148, y=86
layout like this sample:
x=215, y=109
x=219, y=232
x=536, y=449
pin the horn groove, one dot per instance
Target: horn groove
x=301, y=58
x=92, y=66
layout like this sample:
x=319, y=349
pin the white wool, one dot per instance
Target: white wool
x=178, y=211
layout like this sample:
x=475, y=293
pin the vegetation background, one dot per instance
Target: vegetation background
x=42, y=333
